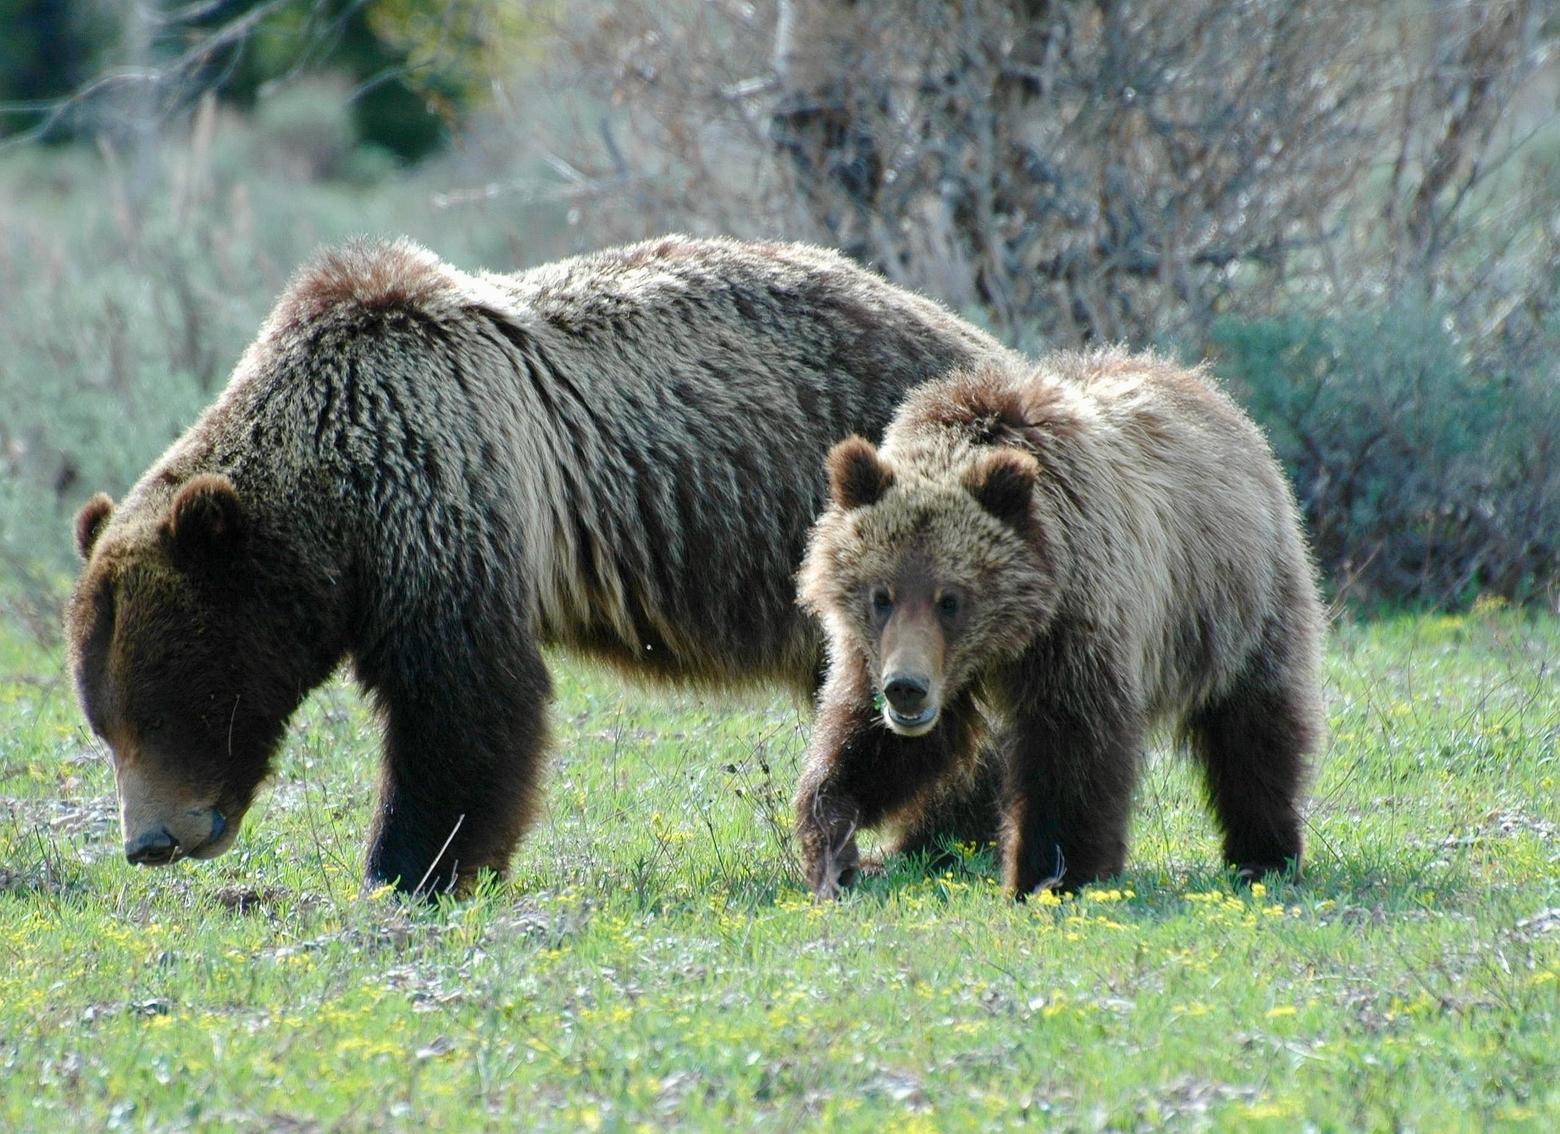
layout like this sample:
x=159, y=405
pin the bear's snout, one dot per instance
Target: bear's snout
x=906, y=692
x=910, y=709
x=164, y=821
x=156, y=847
x=199, y=832
x=913, y=650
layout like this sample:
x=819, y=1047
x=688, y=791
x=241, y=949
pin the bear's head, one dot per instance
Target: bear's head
x=928, y=568
x=175, y=664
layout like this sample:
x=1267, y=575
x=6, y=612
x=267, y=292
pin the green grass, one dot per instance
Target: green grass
x=654, y=960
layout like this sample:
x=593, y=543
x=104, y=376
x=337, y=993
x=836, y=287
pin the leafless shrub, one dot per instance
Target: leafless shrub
x=1188, y=175
x=1076, y=170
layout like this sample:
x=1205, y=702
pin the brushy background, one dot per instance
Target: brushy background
x=1352, y=211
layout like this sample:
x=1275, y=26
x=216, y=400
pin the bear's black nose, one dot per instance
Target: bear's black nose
x=153, y=848
x=906, y=692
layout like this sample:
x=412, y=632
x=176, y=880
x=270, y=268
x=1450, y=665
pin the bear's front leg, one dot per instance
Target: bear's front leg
x=1072, y=768
x=465, y=712
x=859, y=774
x=826, y=829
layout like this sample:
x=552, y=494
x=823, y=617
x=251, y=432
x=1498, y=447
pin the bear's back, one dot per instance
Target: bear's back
x=1207, y=546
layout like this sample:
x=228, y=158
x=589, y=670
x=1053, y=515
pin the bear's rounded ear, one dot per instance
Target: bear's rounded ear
x=90, y=520
x=857, y=475
x=1004, y=484
x=205, y=520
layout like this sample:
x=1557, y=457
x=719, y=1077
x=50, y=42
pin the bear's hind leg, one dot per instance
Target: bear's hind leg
x=1254, y=745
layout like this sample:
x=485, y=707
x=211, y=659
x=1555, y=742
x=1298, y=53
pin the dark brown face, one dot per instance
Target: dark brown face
x=170, y=674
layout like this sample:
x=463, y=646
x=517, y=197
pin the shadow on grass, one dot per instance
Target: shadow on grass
x=1379, y=887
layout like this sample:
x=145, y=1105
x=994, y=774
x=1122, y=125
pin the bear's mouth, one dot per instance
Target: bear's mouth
x=223, y=832
x=917, y=725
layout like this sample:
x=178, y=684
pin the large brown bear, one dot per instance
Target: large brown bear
x=436, y=473
x=1062, y=557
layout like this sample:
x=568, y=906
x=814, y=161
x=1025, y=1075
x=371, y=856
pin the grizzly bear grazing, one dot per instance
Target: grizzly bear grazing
x=1063, y=556
x=436, y=473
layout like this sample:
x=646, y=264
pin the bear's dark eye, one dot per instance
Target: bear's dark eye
x=948, y=604
x=882, y=601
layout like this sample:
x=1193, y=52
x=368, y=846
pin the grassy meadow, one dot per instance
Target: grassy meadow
x=654, y=960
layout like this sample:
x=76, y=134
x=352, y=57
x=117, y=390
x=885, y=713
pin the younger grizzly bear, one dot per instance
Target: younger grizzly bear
x=1064, y=557
x=435, y=474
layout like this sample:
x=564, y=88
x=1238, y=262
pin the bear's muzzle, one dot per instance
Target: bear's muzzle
x=162, y=823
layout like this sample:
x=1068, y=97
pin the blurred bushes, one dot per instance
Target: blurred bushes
x=123, y=307
x=1366, y=246
x=306, y=130
x=407, y=73
x=1421, y=481
x=47, y=49
x=388, y=102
